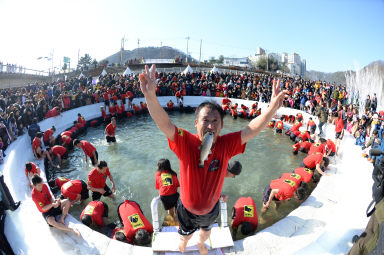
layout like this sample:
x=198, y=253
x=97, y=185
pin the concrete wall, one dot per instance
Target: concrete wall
x=9, y=80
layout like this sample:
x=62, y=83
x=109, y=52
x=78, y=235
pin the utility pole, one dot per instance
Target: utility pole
x=201, y=41
x=267, y=62
x=122, y=50
x=138, y=47
x=78, y=57
x=186, y=59
x=161, y=46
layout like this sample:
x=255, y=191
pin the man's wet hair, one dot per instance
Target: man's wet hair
x=39, y=134
x=36, y=179
x=142, y=237
x=326, y=161
x=301, y=190
x=102, y=164
x=28, y=166
x=323, y=140
x=246, y=228
x=86, y=220
x=212, y=106
x=120, y=236
x=76, y=142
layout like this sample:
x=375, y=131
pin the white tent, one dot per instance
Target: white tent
x=81, y=75
x=127, y=71
x=188, y=70
x=214, y=70
x=103, y=73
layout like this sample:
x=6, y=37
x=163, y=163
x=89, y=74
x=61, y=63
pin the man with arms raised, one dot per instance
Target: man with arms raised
x=198, y=206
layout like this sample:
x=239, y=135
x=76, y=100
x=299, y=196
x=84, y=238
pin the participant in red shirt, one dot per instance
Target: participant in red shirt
x=271, y=124
x=103, y=113
x=305, y=146
x=60, y=152
x=95, y=212
x=48, y=138
x=305, y=173
x=81, y=120
x=316, y=161
x=244, y=213
x=137, y=228
x=305, y=135
x=130, y=99
x=280, y=125
x=75, y=190
x=53, y=113
x=89, y=150
x=66, y=141
x=136, y=109
x=49, y=207
x=143, y=107
x=293, y=177
x=311, y=126
x=225, y=103
x=331, y=148
x=110, y=131
x=339, y=130
x=112, y=110
x=280, y=190
x=170, y=105
x=38, y=152
x=167, y=184
x=67, y=133
x=30, y=170
x=296, y=148
x=318, y=147
x=97, y=181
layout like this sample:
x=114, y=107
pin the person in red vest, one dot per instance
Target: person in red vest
x=112, y=109
x=311, y=126
x=66, y=141
x=53, y=113
x=339, y=130
x=30, y=170
x=58, y=151
x=97, y=181
x=170, y=105
x=110, y=131
x=95, y=212
x=37, y=150
x=304, y=135
x=316, y=161
x=49, y=207
x=48, y=138
x=75, y=190
x=281, y=190
x=306, y=174
x=167, y=184
x=225, y=103
x=103, y=113
x=293, y=177
x=143, y=106
x=244, y=213
x=244, y=111
x=130, y=96
x=81, y=120
x=271, y=124
x=280, y=125
x=137, y=228
x=234, y=111
x=305, y=146
x=331, y=148
x=318, y=147
x=56, y=184
x=119, y=111
x=177, y=95
x=89, y=150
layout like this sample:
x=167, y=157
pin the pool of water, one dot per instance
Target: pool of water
x=140, y=144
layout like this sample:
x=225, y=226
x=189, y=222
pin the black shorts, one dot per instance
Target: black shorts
x=47, y=143
x=266, y=193
x=302, y=149
x=170, y=201
x=338, y=135
x=279, y=131
x=110, y=139
x=312, y=129
x=93, y=159
x=84, y=190
x=97, y=195
x=190, y=222
x=52, y=212
x=331, y=154
x=105, y=212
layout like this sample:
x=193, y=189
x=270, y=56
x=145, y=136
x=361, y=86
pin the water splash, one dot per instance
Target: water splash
x=364, y=82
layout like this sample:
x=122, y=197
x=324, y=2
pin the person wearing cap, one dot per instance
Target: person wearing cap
x=244, y=214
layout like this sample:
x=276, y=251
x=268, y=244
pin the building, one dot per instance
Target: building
x=241, y=62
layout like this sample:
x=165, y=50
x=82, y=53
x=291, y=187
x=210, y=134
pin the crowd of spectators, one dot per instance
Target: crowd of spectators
x=19, y=107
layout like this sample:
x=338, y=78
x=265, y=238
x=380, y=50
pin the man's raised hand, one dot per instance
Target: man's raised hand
x=277, y=95
x=147, y=80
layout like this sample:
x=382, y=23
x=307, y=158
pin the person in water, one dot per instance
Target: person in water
x=200, y=189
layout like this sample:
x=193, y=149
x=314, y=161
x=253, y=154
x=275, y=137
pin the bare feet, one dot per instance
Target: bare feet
x=77, y=232
x=182, y=245
x=202, y=249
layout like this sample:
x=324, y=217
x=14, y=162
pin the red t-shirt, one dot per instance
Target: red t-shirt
x=87, y=148
x=306, y=145
x=296, y=147
x=305, y=135
x=312, y=160
x=42, y=198
x=293, y=177
x=305, y=173
x=36, y=143
x=66, y=139
x=59, y=181
x=331, y=145
x=166, y=183
x=112, y=109
x=58, y=150
x=285, y=187
x=97, y=179
x=339, y=125
x=133, y=219
x=71, y=189
x=95, y=209
x=200, y=189
x=244, y=210
x=317, y=148
x=296, y=126
x=33, y=170
x=170, y=105
x=47, y=134
x=110, y=130
x=67, y=133
x=279, y=125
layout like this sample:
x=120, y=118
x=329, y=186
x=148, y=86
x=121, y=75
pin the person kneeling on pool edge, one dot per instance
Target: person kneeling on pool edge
x=244, y=214
x=280, y=190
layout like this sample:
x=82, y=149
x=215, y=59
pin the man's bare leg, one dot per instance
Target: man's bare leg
x=183, y=242
x=61, y=226
x=203, y=236
x=65, y=205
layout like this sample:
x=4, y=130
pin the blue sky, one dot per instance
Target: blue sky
x=331, y=35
